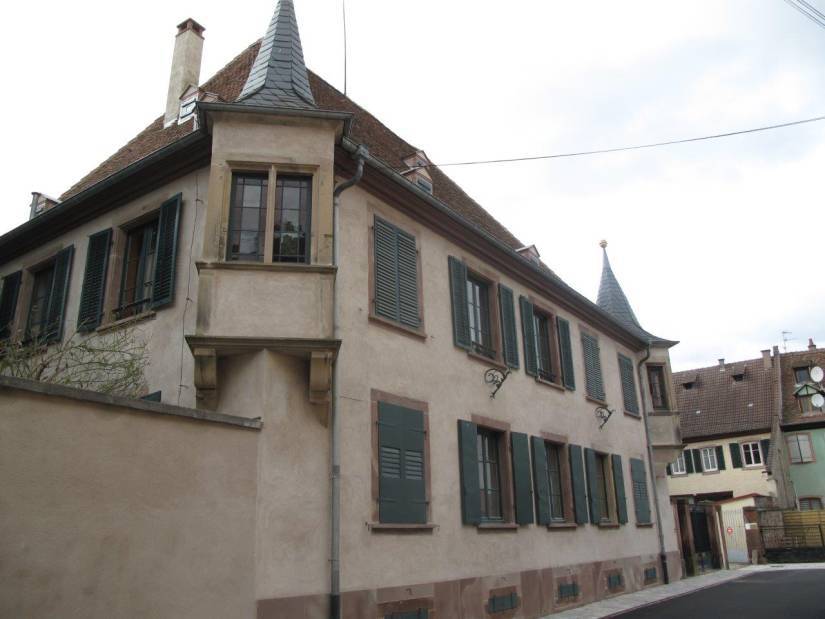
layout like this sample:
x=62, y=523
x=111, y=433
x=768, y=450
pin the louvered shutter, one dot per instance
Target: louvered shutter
x=8, y=302
x=577, y=477
x=697, y=460
x=688, y=453
x=735, y=455
x=94, y=281
x=163, y=284
x=592, y=484
x=669, y=470
x=409, y=312
x=458, y=297
x=592, y=367
x=618, y=484
x=401, y=488
x=528, y=331
x=540, y=482
x=765, y=446
x=521, y=478
x=508, y=325
x=468, y=459
x=631, y=402
x=640, y=494
x=386, y=270
x=566, y=352
x=720, y=458
x=57, y=296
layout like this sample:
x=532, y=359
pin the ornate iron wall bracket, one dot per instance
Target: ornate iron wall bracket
x=603, y=413
x=496, y=378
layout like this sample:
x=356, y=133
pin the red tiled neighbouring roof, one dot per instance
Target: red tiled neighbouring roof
x=383, y=143
x=726, y=406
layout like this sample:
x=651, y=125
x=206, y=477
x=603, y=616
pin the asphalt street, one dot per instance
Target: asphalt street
x=796, y=594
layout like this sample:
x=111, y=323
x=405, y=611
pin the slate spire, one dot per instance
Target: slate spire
x=613, y=301
x=278, y=77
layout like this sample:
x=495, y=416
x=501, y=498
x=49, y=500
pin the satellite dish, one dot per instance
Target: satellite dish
x=818, y=400
x=817, y=374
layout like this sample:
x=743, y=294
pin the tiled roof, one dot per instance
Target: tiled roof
x=716, y=404
x=227, y=85
x=279, y=76
x=791, y=412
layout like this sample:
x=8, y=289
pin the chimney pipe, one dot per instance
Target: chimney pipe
x=767, y=362
x=186, y=66
x=811, y=345
x=722, y=364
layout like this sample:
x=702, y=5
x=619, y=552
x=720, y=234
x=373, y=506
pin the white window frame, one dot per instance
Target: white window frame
x=749, y=450
x=709, y=455
x=677, y=467
x=796, y=440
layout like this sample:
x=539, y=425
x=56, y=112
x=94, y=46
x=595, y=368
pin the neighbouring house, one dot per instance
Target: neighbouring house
x=372, y=400
x=803, y=424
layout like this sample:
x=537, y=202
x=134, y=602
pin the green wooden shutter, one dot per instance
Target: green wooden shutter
x=592, y=367
x=688, y=460
x=592, y=482
x=765, y=446
x=458, y=297
x=409, y=312
x=401, y=488
x=508, y=325
x=669, y=470
x=521, y=478
x=540, y=482
x=618, y=483
x=8, y=302
x=640, y=495
x=58, y=294
x=566, y=351
x=528, y=331
x=90, y=311
x=697, y=460
x=577, y=477
x=631, y=402
x=386, y=270
x=163, y=284
x=720, y=458
x=735, y=455
x=468, y=460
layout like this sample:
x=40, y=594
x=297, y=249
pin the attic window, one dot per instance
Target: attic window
x=424, y=184
x=187, y=108
x=738, y=378
x=688, y=385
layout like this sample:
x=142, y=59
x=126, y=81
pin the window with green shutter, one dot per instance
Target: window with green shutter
x=509, y=338
x=501, y=603
x=577, y=479
x=522, y=484
x=163, y=285
x=402, y=494
x=473, y=309
x=528, y=333
x=618, y=484
x=566, y=353
x=641, y=499
x=90, y=312
x=469, y=472
x=594, y=383
x=48, y=301
x=396, y=294
x=626, y=373
x=8, y=303
x=596, y=466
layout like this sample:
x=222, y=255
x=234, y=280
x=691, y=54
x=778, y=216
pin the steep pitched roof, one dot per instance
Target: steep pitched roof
x=716, y=404
x=228, y=84
x=612, y=299
x=279, y=76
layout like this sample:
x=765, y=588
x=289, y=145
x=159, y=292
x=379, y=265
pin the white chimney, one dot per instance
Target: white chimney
x=186, y=66
x=767, y=362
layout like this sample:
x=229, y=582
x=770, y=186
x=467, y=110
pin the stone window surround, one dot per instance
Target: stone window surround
x=508, y=510
x=271, y=168
x=604, y=458
x=539, y=307
x=810, y=444
x=562, y=443
x=377, y=396
x=391, y=217
x=485, y=275
x=666, y=377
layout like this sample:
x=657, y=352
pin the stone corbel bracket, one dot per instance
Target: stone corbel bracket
x=206, y=350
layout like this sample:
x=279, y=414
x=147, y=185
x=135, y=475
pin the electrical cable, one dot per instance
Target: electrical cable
x=813, y=9
x=802, y=10
x=623, y=148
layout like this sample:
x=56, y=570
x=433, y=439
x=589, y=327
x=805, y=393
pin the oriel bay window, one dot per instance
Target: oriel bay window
x=265, y=226
x=547, y=351
x=658, y=388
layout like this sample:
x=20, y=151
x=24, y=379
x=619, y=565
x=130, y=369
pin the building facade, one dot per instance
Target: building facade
x=445, y=428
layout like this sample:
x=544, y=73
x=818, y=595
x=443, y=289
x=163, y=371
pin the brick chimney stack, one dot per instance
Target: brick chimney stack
x=811, y=345
x=186, y=66
x=767, y=362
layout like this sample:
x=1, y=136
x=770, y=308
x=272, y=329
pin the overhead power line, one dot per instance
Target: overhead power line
x=808, y=11
x=625, y=148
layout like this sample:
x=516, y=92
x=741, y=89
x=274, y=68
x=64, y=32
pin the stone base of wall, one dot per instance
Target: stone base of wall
x=795, y=555
x=537, y=592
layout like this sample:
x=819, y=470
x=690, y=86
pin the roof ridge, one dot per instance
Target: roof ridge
x=716, y=367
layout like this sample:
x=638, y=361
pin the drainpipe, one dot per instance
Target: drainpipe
x=655, y=493
x=335, y=428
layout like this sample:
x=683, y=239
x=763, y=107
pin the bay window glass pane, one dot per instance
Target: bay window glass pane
x=247, y=217
x=292, y=210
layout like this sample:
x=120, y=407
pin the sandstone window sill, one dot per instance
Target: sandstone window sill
x=385, y=527
x=403, y=329
x=562, y=526
x=553, y=385
x=609, y=525
x=126, y=322
x=644, y=525
x=590, y=398
x=497, y=526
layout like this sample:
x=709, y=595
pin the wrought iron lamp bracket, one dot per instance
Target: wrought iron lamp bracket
x=496, y=378
x=603, y=414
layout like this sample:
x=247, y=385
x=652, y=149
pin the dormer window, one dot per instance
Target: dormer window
x=424, y=183
x=688, y=385
x=187, y=108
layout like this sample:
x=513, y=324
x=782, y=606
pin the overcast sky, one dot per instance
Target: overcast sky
x=717, y=244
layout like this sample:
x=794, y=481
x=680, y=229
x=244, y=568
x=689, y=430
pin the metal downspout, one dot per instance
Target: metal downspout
x=335, y=428
x=655, y=492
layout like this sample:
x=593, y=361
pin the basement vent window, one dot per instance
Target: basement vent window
x=501, y=603
x=568, y=592
x=650, y=575
x=615, y=582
